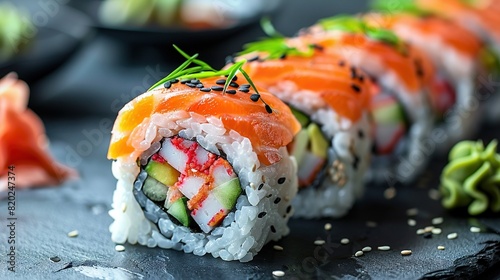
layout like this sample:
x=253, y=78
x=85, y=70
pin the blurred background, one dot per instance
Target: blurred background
x=89, y=57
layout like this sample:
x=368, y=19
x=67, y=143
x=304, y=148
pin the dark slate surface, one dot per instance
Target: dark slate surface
x=45, y=216
x=78, y=103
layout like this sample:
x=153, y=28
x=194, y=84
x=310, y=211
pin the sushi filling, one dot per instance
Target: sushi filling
x=195, y=187
x=310, y=149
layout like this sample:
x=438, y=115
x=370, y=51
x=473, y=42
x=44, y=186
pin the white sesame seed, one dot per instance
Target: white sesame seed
x=319, y=242
x=278, y=248
x=344, y=241
x=406, y=252
x=412, y=212
x=359, y=253
x=384, y=248
x=73, y=233
x=437, y=221
x=440, y=247
x=412, y=222
x=390, y=193
x=371, y=224
x=452, y=235
x=436, y=231
x=475, y=229
x=428, y=229
x=366, y=249
x=434, y=194
x=278, y=273
x=420, y=231
x=328, y=226
x=120, y=248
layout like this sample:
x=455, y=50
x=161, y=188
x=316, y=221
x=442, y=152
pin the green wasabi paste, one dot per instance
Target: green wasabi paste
x=472, y=178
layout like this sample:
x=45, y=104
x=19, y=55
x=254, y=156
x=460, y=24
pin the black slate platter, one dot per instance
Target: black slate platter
x=45, y=217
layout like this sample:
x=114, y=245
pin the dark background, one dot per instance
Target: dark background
x=78, y=100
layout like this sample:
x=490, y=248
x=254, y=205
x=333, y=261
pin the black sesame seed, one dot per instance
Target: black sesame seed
x=354, y=73
x=361, y=134
x=355, y=163
x=253, y=59
x=260, y=187
x=268, y=109
x=195, y=81
x=277, y=200
x=245, y=90
x=190, y=85
x=288, y=209
x=283, y=56
x=361, y=78
x=341, y=63
x=200, y=85
x=233, y=84
x=220, y=82
x=255, y=97
x=167, y=85
x=234, y=79
x=231, y=91
x=317, y=47
x=205, y=89
x=173, y=81
x=245, y=86
x=217, y=88
x=428, y=235
x=183, y=81
x=356, y=88
x=281, y=180
x=262, y=214
x=269, y=195
x=273, y=229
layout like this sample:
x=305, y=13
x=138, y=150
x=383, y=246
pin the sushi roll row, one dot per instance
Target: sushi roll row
x=217, y=161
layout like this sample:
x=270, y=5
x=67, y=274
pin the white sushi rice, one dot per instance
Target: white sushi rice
x=242, y=233
x=332, y=198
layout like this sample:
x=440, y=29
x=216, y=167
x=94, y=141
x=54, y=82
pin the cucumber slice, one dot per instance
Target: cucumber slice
x=300, y=143
x=301, y=117
x=319, y=145
x=228, y=193
x=179, y=211
x=162, y=172
x=154, y=190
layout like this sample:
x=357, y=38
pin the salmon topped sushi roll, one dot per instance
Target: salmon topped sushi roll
x=400, y=79
x=456, y=53
x=202, y=165
x=330, y=98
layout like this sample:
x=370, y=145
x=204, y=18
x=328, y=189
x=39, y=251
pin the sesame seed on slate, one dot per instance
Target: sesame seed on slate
x=366, y=249
x=200, y=85
x=167, y=84
x=217, y=88
x=344, y=241
x=358, y=254
x=412, y=222
x=268, y=109
x=233, y=84
x=120, y=248
x=452, y=235
x=205, y=89
x=277, y=200
x=245, y=90
x=412, y=212
x=475, y=229
x=278, y=248
x=420, y=231
x=356, y=88
x=436, y=231
x=191, y=85
x=428, y=235
x=319, y=242
x=383, y=248
x=260, y=187
x=183, y=81
x=273, y=229
x=195, y=81
x=440, y=247
x=73, y=233
x=262, y=214
x=437, y=221
x=281, y=180
x=231, y=91
x=254, y=97
x=278, y=273
x=328, y=226
x=220, y=82
x=406, y=252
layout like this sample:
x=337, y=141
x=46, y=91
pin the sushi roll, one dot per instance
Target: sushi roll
x=202, y=165
x=455, y=51
x=333, y=147
x=401, y=78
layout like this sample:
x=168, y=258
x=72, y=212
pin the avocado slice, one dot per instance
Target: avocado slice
x=301, y=117
x=228, y=193
x=392, y=113
x=179, y=211
x=319, y=145
x=154, y=190
x=300, y=145
x=163, y=172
